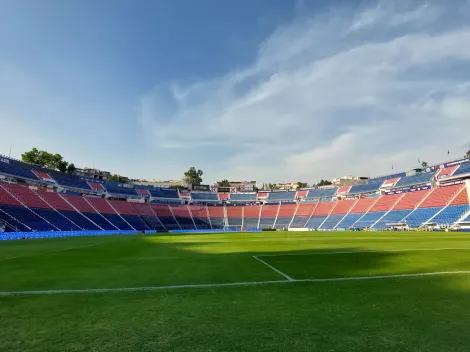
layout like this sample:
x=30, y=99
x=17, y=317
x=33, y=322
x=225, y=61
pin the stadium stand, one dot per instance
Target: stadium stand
x=268, y=215
x=275, y=196
x=145, y=212
x=251, y=215
x=164, y=193
x=217, y=216
x=200, y=215
x=446, y=172
x=303, y=213
x=301, y=193
x=205, y=196
x=417, y=179
x=463, y=169
x=381, y=179
x=235, y=215
x=182, y=216
x=243, y=197
x=285, y=215
x=117, y=188
x=339, y=212
x=224, y=196
x=368, y=187
x=16, y=168
x=95, y=186
x=322, y=192
x=320, y=213
x=390, y=182
x=166, y=216
x=107, y=211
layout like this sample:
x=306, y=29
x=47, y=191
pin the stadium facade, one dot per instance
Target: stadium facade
x=36, y=199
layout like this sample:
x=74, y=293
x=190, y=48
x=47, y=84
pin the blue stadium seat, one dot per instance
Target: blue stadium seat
x=28, y=217
x=79, y=219
x=422, y=215
x=248, y=197
x=315, y=222
x=206, y=196
x=117, y=188
x=349, y=220
x=16, y=168
x=100, y=221
x=322, y=192
x=369, y=187
x=369, y=219
x=164, y=193
x=332, y=221
x=415, y=180
x=451, y=214
x=464, y=168
x=281, y=195
x=393, y=217
x=381, y=179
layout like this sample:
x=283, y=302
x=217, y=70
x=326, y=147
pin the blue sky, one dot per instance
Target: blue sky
x=267, y=90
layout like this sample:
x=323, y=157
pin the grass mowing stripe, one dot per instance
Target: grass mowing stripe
x=55, y=251
x=365, y=251
x=273, y=268
x=231, y=284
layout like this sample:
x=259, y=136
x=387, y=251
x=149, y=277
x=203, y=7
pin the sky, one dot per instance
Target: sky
x=266, y=90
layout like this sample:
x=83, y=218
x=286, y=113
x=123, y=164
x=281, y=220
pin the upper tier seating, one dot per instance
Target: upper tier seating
x=463, y=169
x=143, y=192
x=282, y=195
x=224, y=196
x=391, y=182
x=415, y=180
x=95, y=186
x=381, y=179
x=208, y=196
x=117, y=188
x=16, y=168
x=446, y=172
x=164, y=193
x=43, y=176
x=243, y=197
x=368, y=187
x=343, y=190
x=301, y=193
x=322, y=192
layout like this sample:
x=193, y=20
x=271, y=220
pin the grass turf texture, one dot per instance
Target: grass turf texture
x=427, y=313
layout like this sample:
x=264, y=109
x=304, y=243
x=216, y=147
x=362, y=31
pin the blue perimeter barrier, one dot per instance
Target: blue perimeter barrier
x=216, y=230
x=5, y=236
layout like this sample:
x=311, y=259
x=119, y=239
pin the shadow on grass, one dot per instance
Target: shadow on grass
x=408, y=314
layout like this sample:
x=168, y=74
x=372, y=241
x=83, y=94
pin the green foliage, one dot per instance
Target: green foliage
x=223, y=183
x=193, y=176
x=424, y=164
x=302, y=184
x=273, y=187
x=323, y=183
x=118, y=178
x=46, y=159
x=71, y=168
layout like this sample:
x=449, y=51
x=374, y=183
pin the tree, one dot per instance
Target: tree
x=424, y=164
x=45, y=159
x=223, y=183
x=323, y=183
x=468, y=153
x=117, y=178
x=71, y=168
x=302, y=185
x=193, y=176
x=273, y=187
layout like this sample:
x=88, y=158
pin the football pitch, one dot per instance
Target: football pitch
x=271, y=291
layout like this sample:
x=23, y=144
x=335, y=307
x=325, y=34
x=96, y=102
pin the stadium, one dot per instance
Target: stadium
x=287, y=91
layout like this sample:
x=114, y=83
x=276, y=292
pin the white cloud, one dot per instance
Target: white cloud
x=319, y=101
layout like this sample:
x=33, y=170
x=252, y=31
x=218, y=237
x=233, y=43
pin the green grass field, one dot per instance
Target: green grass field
x=273, y=291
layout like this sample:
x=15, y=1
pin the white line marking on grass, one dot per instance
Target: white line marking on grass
x=362, y=251
x=391, y=276
x=273, y=268
x=233, y=284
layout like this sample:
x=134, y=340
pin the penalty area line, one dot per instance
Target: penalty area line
x=232, y=284
x=273, y=268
